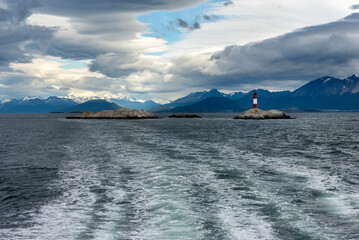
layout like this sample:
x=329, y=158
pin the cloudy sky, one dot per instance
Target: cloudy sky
x=163, y=49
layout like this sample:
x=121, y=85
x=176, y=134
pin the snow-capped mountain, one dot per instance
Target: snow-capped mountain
x=329, y=86
x=190, y=99
x=326, y=93
x=90, y=106
x=35, y=104
x=133, y=104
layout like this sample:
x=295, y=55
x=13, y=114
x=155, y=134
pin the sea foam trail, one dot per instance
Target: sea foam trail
x=222, y=215
x=210, y=178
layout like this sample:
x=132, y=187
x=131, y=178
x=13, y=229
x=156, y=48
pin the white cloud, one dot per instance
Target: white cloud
x=109, y=34
x=45, y=76
x=86, y=29
x=247, y=21
x=244, y=22
x=312, y=52
x=123, y=64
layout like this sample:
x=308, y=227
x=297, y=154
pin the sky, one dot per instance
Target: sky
x=164, y=49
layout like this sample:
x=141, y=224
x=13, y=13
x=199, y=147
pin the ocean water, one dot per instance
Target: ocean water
x=209, y=178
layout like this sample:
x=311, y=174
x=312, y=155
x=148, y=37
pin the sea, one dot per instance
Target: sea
x=208, y=178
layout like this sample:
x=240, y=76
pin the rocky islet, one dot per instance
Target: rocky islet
x=258, y=114
x=122, y=113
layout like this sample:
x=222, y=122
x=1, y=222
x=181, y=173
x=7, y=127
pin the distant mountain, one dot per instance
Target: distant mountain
x=328, y=86
x=196, y=97
x=136, y=104
x=234, y=95
x=189, y=99
x=211, y=104
x=35, y=105
x=326, y=93
x=266, y=99
x=90, y=106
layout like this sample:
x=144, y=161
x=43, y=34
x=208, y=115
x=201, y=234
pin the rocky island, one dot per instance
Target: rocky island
x=122, y=113
x=258, y=114
x=184, y=115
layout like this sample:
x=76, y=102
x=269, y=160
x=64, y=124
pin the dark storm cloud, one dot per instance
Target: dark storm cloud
x=210, y=18
x=17, y=11
x=182, y=23
x=117, y=65
x=16, y=36
x=227, y=3
x=190, y=27
x=195, y=25
x=110, y=64
x=330, y=49
x=114, y=20
x=85, y=7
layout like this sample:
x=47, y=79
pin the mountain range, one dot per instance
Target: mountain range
x=326, y=93
x=146, y=105
x=90, y=106
x=211, y=104
x=35, y=105
x=323, y=94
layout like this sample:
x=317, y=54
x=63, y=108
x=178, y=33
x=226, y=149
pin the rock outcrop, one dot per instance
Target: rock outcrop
x=185, y=115
x=122, y=113
x=258, y=114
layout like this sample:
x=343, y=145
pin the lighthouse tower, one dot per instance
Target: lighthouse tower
x=255, y=103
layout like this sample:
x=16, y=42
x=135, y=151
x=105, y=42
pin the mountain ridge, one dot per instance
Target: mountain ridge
x=91, y=106
x=211, y=104
x=35, y=104
x=325, y=93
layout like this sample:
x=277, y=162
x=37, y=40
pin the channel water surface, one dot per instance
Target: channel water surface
x=209, y=178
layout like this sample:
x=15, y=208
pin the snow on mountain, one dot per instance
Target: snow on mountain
x=35, y=104
x=5, y=101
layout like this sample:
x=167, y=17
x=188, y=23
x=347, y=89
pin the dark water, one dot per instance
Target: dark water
x=209, y=178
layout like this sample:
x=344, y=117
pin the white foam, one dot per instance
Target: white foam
x=315, y=179
x=160, y=188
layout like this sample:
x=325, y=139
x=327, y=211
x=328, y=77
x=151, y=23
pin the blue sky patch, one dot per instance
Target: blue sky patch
x=171, y=26
x=69, y=64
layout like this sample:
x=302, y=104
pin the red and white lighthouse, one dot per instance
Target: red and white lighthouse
x=255, y=103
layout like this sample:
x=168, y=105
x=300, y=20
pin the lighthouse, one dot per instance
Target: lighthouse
x=255, y=103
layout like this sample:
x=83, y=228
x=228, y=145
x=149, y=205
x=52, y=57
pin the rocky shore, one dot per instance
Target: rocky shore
x=185, y=115
x=122, y=113
x=258, y=114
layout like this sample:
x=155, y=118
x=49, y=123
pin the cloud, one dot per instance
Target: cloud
x=210, y=17
x=82, y=8
x=45, y=77
x=195, y=25
x=329, y=49
x=288, y=60
x=88, y=28
x=354, y=7
x=121, y=64
x=255, y=20
x=227, y=3
x=246, y=44
x=182, y=23
x=190, y=27
x=19, y=39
